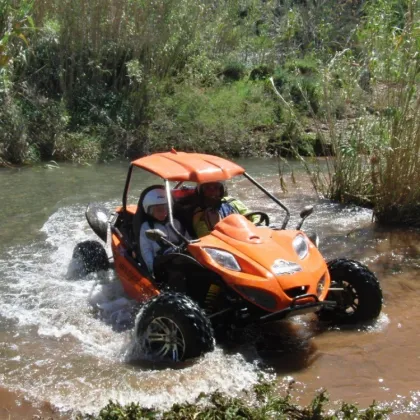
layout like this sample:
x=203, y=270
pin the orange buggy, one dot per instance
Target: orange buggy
x=241, y=273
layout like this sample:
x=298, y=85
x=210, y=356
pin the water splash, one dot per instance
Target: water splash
x=71, y=335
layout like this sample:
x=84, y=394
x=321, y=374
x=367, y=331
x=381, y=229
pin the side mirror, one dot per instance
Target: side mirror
x=155, y=235
x=307, y=211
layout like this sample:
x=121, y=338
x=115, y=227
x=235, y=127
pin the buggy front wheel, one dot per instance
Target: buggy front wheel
x=356, y=291
x=171, y=328
x=89, y=257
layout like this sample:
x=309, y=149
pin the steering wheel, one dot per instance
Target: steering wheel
x=263, y=221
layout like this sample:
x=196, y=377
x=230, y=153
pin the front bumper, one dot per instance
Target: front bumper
x=300, y=305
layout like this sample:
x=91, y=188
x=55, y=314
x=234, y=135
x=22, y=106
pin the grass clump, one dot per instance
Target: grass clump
x=264, y=402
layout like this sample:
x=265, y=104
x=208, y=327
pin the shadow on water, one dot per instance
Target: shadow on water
x=282, y=346
x=286, y=346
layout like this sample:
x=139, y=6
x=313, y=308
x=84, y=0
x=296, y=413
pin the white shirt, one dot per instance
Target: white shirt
x=149, y=248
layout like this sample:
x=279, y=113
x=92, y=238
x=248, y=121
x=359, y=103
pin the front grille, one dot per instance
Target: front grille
x=259, y=297
x=296, y=291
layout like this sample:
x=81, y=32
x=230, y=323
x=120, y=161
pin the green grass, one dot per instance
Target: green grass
x=225, y=117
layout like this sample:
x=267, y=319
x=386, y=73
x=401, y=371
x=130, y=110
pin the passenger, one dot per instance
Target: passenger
x=214, y=206
x=155, y=206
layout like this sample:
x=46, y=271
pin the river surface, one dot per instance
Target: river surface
x=64, y=346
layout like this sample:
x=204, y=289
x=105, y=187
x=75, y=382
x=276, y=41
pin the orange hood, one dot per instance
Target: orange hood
x=264, y=246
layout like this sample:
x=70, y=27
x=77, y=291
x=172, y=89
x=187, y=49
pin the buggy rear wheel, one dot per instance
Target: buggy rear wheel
x=90, y=256
x=358, y=293
x=171, y=327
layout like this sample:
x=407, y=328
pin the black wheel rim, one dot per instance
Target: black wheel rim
x=163, y=340
x=348, y=299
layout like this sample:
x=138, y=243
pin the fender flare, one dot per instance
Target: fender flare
x=97, y=217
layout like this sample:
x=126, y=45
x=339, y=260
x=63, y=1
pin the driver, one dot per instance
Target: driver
x=155, y=206
x=214, y=205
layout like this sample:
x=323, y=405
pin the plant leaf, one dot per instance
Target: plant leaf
x=23, y=38
x=4, y=59
x=31, y=22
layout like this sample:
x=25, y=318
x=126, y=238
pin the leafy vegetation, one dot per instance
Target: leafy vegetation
x=376, y=148
x=263, y=403
x=83, y=80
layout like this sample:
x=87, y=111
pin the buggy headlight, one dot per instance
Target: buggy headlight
x=223, y=258
x=285, y=267
x=301, y=246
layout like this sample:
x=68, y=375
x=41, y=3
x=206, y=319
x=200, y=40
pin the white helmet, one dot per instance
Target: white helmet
x=153, y=198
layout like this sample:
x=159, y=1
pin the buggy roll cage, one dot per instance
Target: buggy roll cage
x=181, y=166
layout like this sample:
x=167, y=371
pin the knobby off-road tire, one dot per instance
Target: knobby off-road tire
x=172, y=327
x=90, y=256
x=361, y=300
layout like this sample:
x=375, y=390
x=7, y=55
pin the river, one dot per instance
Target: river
x=64, y=348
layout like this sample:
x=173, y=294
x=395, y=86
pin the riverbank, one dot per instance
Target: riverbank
x=267, y=404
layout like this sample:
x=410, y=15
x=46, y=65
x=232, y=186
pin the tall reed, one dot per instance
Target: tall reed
x=376, y=146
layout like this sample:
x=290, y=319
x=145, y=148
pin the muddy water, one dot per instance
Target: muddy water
x=65, y=344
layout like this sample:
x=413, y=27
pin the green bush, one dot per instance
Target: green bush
x=233, y=71
x=76, y=147
x=46, y=120
x=263, y=403
x=281, y=78
x=236, y=118
x=43, y=66
x=305, y=93
x=304, y=66
x=302, y=88
x=261, y=72
x=13, y=133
